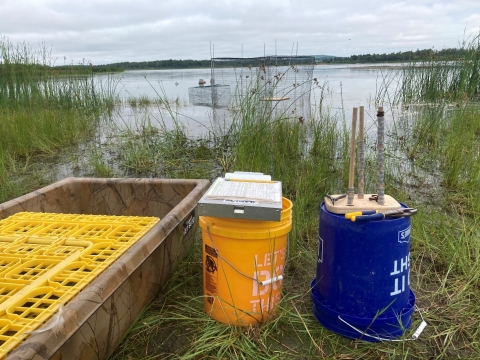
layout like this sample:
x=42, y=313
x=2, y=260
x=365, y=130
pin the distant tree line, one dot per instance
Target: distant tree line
x=187, y=64
x=159, y=64
x=106, y=68
x=88, y=68
x=418, y=55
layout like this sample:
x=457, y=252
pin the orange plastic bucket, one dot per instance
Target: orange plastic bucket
x=243, y=263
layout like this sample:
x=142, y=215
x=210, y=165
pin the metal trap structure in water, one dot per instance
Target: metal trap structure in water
x=280, y=85
x=211, y=95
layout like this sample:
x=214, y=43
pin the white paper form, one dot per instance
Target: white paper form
x=264, y=192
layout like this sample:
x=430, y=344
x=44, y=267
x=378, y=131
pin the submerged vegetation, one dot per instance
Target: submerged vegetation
x=432, y=163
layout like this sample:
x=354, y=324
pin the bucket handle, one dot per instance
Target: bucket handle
x=415, y=335
x=263, y=283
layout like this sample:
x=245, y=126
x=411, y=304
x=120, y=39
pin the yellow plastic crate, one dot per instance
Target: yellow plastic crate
x=22, y=227
x=29, y=270
x=76, y=274
x=76, y=218
x=95, y=232
x=66, y=247
x=11, y=334
x=46, y=259
x=8, y=289
x=57, y=229
x=7, y=263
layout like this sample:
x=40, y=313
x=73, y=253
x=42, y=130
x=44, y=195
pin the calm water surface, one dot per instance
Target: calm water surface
x=345, y=87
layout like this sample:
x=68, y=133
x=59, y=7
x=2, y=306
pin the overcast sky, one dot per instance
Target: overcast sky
x=107, y=31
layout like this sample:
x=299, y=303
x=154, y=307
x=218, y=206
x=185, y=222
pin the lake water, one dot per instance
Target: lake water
x=345, y=87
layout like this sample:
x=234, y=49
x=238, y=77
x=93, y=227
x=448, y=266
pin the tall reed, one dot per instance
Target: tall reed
x=43, y=108
x=431, y=80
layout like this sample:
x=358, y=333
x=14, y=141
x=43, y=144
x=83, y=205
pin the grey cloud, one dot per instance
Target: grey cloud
x=111, y=31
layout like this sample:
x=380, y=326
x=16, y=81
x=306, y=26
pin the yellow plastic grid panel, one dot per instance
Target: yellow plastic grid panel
x=10, y=335
x=33, y=306
x=57, y=229
x=121, y=220
x=29, y=216
x=105, y=253
x=64, y=248
x=125, y=233
x=76, y=274
x=110, y=219
x=23, y=227
x=46, y=259
x=7, y=263
x=31, y=269
x=8, y=289
x=127, y=220
x=28, y=246
x=92, y=232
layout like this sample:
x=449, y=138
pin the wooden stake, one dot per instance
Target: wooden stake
x=351, y=173
x=381, y=154
x=361, y=154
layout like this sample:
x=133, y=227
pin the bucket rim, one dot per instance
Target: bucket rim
x=250, y=232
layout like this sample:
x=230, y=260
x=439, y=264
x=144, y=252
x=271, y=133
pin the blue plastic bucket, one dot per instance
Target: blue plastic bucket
x=362, y=278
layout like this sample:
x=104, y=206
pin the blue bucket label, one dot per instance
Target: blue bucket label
x=404, y=235
x=400, y=275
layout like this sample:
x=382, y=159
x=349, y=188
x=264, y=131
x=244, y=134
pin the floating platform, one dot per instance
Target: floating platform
x=99, y=245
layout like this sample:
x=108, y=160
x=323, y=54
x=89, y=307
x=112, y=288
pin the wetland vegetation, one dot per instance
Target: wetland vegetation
x=432, y=163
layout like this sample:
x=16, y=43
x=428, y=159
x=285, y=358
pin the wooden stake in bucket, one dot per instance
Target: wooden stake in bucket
x=341, y=204
x=351, y=190
x=361, y=155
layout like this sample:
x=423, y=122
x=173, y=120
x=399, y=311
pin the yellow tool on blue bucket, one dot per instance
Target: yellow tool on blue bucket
x=370, y=215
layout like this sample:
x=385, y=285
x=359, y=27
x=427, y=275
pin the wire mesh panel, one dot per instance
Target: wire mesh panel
x=211, y=95
x=283, y=83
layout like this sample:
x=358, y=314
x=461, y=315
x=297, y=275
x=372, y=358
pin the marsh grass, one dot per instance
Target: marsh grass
x=43, y=109
x=454, y=79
